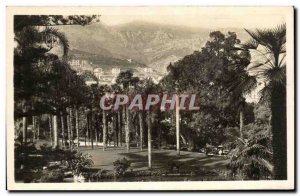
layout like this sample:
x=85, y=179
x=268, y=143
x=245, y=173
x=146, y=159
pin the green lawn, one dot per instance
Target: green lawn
x=160, y=158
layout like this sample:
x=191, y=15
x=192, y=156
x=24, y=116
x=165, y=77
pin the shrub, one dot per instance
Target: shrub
x=174, y=166
x=72, y=159
x=121, y=166
x=100, y=174
x=52, y=176
x=79, y=162
x=27, y=157
x=251, y=159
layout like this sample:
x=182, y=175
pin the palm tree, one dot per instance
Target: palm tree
x=116, y=118
x=55, y=132
x=149, y=124
x=104, y=120
x=150, y=88
x=141, y=125
x=33, y=128
x=241, y=84
x=69, y=128
x=50, y=129
x=62, y=129
x=105, y=90
x=128, y=83
x=77, y=125
x=269, y=45
x=120, y=127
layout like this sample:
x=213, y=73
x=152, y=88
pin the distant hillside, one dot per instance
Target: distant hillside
x=106, y=62
x=148, y=43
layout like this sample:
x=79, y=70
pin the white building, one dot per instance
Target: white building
x=90, y=82
x=98, y=72
x=80, y=65
x=148, y=71
x=116, y=71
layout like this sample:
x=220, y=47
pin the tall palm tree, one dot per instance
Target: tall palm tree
x=241, y=84
x=141, y=126
x=62, y=129
x=269, y=45
x=55, y=131
x=105, y=128
x=149, y=124
x=128, y=83
x=69, y=129
x=120, y=127
x=77, y=126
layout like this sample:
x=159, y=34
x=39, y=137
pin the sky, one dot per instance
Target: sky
x=205, y=17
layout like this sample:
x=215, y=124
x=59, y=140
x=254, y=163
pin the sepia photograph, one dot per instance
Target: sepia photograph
x=150, y=98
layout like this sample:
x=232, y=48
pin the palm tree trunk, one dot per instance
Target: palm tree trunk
x=127, y=130
x=136, y=129
x=177, y=126
x=96, y=137
x=71, y=126
x=38, y=129
x=24, y=130
x=77, y=126
x=69, y=130
x=141, y=121
x=242, y=123
x=55, y=135
x=96, y=133
x=50, y=129
x=33, y=128
x=149, y=123
x=85, y=138
x=124, y=124
x=104, y=129
x=87, y=129
x=120, y=127
x=278, y=121
x=117, y=128
x=92, y=129
x=62, y=129
x=114, y=129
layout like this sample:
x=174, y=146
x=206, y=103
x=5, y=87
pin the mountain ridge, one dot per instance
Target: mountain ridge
x=152, y=44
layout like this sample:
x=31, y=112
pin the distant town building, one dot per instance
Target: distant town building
x=116, y=71
x=98, y=72
x=80, y=65
x=148, y=71
x=90, y=82
x=109, y=76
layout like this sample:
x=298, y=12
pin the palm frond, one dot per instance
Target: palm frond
x=272, y=39
x=252, y=159
x=265, y=94
x=276, y=75
x=251, y=44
